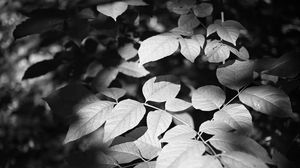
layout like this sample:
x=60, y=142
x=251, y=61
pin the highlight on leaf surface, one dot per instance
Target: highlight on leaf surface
x=189, y=48
x=268, y=100
x=176, y=104
x=113, y=9
x=179, y=133
x=214, y=127
x=208, y=98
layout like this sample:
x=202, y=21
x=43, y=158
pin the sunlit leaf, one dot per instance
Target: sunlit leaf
x=127, y=51
x=200, y=39
x=172, y=154
x=148, y=145
x=229, y=142
x=90, y=117
x=125, y=152
x=114, y=93
x=183, y=118
x=216, y=52
x=228, y=30
x=160, y=91
x=158, y=47
x=237, y=116
x=125, y=116
x=194, y=159
x=113, y=9
x=243, y=53
x=132, y=69
x=188, y=22
x=208, y=98
x=179, y=133
x=189, y=48
x=214, y=127
x=235, y=75
x=203, y=9
x=176, y=104
x=241, y=159
x=268, y=100
x=158, y=122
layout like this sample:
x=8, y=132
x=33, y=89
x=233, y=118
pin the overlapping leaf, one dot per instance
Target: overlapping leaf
x=229, y=142
x=176, y=104
x=160, y=91
x=214, y=127
x=208, y=98
x=179, y=133
x=114, y=93
x=183, y=118
x=132, y=69
x=228, y=30
x=268, y=100
x=188, y=22
x=189, y=48
x=235, y=75
x=216, y=51
x=236, y=116
x=90, y=117
x=125, y=152
x=241, y=159
x=175, y=153
x=158, y=47
x=125, y=116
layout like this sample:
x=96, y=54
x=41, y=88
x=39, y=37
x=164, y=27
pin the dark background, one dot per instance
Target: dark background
x=31, y=135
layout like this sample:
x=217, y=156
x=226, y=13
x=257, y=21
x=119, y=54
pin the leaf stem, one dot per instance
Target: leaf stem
x=146, y=104
x=239, y=92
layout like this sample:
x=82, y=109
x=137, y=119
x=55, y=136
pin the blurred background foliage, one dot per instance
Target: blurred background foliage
x=72, y=41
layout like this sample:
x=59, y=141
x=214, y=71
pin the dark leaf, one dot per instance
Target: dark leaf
x=41, y=68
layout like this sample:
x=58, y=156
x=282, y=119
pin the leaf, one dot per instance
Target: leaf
x=38, y=25
x=188, y=22
x=237, y=116
x=104, y=78
x=90, y=117
x=181, y=31
x=200, y=39
x=229, y=142
x=125, y=116
x=193, y=159
x=180, y=6
x=41, y=68
x=183, y=118
x=114, y=93
x=241, y=159
x=158, y=122
x=151, y=164
x=216, y=52
x=268, y=100
x=132, y=69
x=127, y=51
x=160, y=91
x=208, y=98
x=136, y=2
x=281, y=160
x=214, y=127
x=113, y=9
x=203, y=10
x=228, y=30
x=189, y=48
x=243, y=53
x=158, y=47
x=176, y=104
x=173, y=152
x=125, y=152
x=235, y=75
x=179, y=133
